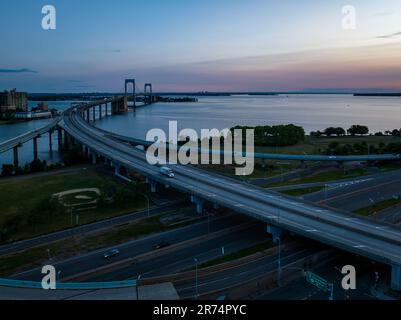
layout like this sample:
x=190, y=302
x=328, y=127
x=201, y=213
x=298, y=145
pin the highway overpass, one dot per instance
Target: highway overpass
x=362, y=236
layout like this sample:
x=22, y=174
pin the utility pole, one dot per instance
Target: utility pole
x=137, y=286
x=279, y=249
x=196, y=278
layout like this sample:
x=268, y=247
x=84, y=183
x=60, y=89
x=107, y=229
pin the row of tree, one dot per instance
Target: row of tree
x=280, y=136
x=35, y=166
x=336, y=148
x=338, y=131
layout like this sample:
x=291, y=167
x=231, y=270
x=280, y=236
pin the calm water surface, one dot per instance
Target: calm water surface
x=313, y=112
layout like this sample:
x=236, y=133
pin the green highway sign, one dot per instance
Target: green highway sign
x=318, y=282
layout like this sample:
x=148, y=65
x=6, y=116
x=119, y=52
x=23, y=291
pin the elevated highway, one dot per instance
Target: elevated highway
x=34, y=135
x=362, y=236
x=18, y=141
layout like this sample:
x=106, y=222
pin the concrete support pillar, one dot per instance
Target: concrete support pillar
x=16, y=159
x=67, y=141
x=94, y=158
x=275, y=232
x=60, y=139
x=94, y=114
x=199, y=203
x=35, y=148
x=50, y=141
x=116, y=168
x=87, y=115
x=396, y=276
x=100, y=111
x=107, y=112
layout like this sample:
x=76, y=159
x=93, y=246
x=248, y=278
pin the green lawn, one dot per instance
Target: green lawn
x=19, y=197
x=237, y=255
x=301, y=192
x=311, y=145
x=378, y=207
x=332, y=175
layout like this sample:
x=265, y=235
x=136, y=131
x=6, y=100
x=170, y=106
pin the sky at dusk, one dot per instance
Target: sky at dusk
x=208, y=45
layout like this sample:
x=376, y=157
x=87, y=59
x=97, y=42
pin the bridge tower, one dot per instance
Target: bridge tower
x=148, y=96
x=127, y=82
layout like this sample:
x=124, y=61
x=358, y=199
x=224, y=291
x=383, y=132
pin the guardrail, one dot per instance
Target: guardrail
x=69, y=285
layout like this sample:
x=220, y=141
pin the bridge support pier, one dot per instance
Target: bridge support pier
x=116, y=168
x=87, y=115
x=50, y=141
x=60, y=139
x=35, y=148
x=67, y=141
x=107, y=112
x=275, y=232
x=396, y=276
x=16, y=159
x=100, y=111
x=199, y=203
x=93, y=158
x=94, y=114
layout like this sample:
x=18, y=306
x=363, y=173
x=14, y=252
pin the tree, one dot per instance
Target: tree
x=37, y=166
x=7, y=170
x=334, y=131
x=358, y=130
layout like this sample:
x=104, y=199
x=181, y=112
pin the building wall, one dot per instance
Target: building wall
x=13, y=100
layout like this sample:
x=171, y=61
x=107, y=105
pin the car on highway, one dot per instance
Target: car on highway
x=165, y=171
x=111, y=253
x=161, y=245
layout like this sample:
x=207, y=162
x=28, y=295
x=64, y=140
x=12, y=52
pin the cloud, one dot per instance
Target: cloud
x=117, y=51
x=388, y=36
x=22, y=70
x=383, y=14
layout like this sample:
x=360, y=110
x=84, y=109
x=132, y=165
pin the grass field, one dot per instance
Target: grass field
x=331, y=175
x=312, y=145
x=19, y=197
x=378, y=207
x=301, y=192
x=237, y=255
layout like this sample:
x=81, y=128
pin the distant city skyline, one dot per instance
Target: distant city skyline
x=191, y=46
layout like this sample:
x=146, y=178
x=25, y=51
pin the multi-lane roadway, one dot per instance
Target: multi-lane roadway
x=378, y=241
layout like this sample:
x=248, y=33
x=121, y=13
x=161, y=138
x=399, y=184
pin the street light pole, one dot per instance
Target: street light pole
x=279, y=249
x=137, y=286
x=147, y=198
x=279, y=261
x=196, y=279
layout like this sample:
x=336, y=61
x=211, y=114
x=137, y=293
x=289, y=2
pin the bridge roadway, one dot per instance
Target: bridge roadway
x=362, y=236
x=17, y=141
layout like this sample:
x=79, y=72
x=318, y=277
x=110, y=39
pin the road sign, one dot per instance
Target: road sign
x=318, y=282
